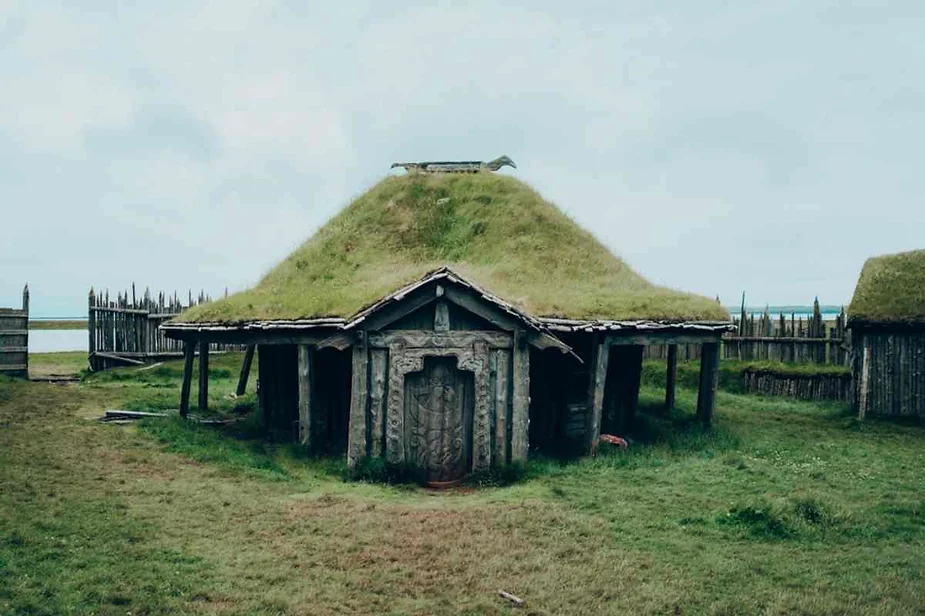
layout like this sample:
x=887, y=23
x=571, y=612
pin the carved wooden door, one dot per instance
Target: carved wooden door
x=438, y=411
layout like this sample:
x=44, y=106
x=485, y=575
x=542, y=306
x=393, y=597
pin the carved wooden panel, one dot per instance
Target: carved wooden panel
x=438, y=419
x=447, y=339
x=406, y=359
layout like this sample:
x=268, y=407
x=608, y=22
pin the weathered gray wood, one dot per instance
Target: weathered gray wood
x=520, y=399
x=203, y=376
x=448, y=339
x=305, y=395
x=709, y=375
x=124, y=358
x=596, y=382
x=359, y=396
x=502, y=361
x=399, y=308
x=441, y=316
x=671, y=377
x=657, y=338
x=378, y=390
x=245, y=369
x=189, y=350
x=91, y=325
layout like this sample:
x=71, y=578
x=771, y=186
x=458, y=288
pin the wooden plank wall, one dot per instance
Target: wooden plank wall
x=782, y=338
x=14, y=338
x=893, y=381
x=804, y=387
x=125, y=329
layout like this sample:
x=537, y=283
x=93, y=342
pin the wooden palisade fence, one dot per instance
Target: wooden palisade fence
x=14, y=338
x=125, y=330
x=785, y=339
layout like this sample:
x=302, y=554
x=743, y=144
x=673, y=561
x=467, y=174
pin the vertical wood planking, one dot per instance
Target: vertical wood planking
x=597, y=380
x=520, y=398
x=359, y=394
x=502, y=362
x=378, y=399
x=305, y=395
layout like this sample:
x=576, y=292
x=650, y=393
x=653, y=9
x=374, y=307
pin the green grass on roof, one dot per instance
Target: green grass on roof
x=891, y=289
x=492, y=229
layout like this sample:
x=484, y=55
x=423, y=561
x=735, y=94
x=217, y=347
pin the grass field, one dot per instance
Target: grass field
x=784, y=508
x=40, y=324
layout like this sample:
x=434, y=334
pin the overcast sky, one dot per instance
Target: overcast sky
x=717, y=147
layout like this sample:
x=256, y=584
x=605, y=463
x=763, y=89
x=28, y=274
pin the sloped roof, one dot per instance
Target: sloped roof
x=891, y=289
x=491, y=229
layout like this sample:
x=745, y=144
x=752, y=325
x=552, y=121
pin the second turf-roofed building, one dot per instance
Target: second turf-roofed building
x=451, y=323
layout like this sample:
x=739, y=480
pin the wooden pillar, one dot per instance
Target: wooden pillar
x=305, y=395
x=189, y=349
x=245, y=369
x=520, y=399
x=359, y=394
x=597, y=380
x=671, y=377
x=203, y=375
x=709, y=375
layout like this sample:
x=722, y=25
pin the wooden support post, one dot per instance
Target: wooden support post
x=203, y=376
x=359, y=395
x=709, y=375
x=520, y=399
x=305, y=395
x=597, y=380
x=189, y=350
x=671, y=377
x=245, y=369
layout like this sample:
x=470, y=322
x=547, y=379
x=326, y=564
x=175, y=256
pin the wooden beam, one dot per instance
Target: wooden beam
x=654, y=338
x=520, y=399
x=203, y=376
x=189, y=350
x=359, y=394
x=671, y=377
x=596, y=382
x=709, y=376
x=401, y=308
x=420, y=338
x=248, y=337
x=245, y=369
x=305, y=395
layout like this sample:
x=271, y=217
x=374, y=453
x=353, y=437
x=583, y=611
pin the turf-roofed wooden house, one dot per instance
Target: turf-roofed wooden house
x=887, y=322
x=452, y=323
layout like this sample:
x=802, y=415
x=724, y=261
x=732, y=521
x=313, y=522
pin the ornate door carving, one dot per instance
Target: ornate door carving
x=438, y=412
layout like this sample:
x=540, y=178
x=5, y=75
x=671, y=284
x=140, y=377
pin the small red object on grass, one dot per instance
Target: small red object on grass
x=614, y=440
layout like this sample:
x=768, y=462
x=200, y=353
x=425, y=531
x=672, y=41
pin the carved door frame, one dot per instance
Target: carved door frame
x=404, y=360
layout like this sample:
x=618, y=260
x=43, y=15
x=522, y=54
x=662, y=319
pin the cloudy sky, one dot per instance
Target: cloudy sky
x=717, y=147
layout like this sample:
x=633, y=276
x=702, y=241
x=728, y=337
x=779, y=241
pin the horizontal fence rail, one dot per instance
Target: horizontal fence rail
x=125, y=330
x=14, y=338
x=792, y=339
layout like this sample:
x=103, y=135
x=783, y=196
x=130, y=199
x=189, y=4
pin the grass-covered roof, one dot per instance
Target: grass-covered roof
x=491, y=229
x=891, y=289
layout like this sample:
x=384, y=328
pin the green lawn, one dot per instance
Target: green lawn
x=74, y=324
x=786, y=507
